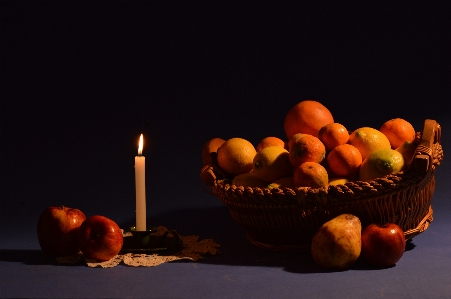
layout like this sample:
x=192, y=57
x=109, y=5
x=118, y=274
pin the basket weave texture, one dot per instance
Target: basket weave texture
x=286, y=219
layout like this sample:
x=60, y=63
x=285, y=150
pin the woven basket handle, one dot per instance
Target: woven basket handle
x=431, y=134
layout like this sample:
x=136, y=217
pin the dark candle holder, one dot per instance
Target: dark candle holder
x=150, y=241
x=142, y=236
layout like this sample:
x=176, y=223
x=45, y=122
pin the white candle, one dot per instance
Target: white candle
x=140, y=180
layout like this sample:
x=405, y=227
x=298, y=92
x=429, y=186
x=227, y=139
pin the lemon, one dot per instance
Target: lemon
x=407, y=150
x=272, y=163
x=287, y=182
x=338, y=181
x=381, y=163
x=311, y=174
x=368, y=140
x=248, y=179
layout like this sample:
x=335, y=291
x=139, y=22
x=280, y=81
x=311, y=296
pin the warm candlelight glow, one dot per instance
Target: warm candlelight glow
x=140, y=145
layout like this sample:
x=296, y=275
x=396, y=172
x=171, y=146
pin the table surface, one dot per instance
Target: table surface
x=81, y=81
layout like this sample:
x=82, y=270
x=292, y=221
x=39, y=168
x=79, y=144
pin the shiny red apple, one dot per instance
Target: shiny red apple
x=100, y=238
x=57, y=230
x=383, y=244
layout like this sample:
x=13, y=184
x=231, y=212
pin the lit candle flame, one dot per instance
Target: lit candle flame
x=140, y=146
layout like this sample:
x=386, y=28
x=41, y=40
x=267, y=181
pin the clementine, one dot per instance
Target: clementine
x=305, y=148
x=398, y=131
x=333, y=135
x=344, y=160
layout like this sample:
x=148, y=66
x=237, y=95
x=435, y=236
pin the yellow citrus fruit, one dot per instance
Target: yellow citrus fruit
x=287, y=182
x=272, y=163
x=310, y=174
x=380, y=163
x=305, y=148
x=235, y=156
x=398, y=131
x=333, y=135
x=210, y=150
x=270, y=141
x=248, y=179
x=338, y=181
x=344, y=160
x=407, y=150
x=368, y=140
x=307, y=117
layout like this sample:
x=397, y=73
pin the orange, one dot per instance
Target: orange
x=286, y=182
x=248, y=179
x=270, y=141
x=307, y=117
x=272, y=163
x=305, y=148
x=344, y=160
x=235, y=156
x=310, y=174
x=333, y=135
x=368, y=140
x=398, y=131
x=210, y=149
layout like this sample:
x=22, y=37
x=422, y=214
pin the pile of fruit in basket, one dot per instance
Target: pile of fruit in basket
x=319, y=152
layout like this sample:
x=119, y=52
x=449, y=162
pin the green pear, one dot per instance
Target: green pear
x=337, y=243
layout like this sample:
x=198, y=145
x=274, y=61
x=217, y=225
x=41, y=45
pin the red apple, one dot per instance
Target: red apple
x=57, y=230
x=100, y=238
x=383, y=244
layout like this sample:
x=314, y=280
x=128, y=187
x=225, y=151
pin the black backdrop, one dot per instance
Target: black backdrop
x=80, y=80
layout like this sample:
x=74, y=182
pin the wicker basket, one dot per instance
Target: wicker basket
x=286, y=219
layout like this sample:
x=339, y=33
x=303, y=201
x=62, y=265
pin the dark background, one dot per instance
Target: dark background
x=80, y=80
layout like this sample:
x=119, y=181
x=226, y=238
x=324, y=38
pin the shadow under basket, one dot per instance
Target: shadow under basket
x=286, y=219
